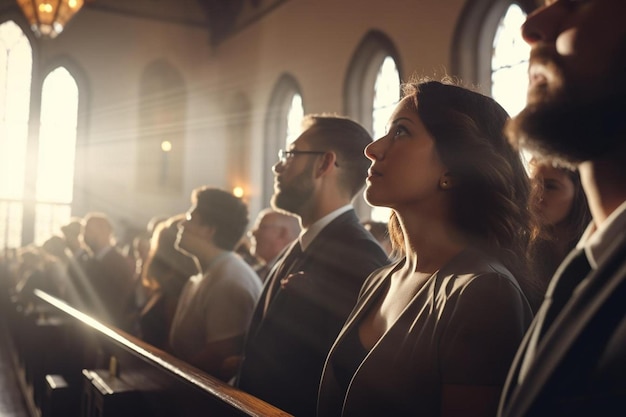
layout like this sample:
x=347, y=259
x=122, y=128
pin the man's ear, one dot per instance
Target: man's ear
x=208, y=231
x=328, y=160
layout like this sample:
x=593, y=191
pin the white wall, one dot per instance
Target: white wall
x=313, y=40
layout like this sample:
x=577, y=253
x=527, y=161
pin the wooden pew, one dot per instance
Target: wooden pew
x=78, y=364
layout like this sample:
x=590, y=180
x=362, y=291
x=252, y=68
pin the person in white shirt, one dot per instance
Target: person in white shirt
x=216, y=305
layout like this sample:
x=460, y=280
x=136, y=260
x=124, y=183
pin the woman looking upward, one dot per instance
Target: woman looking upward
x=434, y=333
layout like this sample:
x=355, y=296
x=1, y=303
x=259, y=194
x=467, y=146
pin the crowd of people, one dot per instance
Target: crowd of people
x=490, y=292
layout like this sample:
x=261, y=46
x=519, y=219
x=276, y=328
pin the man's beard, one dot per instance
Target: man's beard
x=291, y=198
x=566, y=127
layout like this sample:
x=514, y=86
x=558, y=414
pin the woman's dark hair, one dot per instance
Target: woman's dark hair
x=576, y=220
x=579, y=216
x=491, y=186
x=548, y=248
x=167, y=268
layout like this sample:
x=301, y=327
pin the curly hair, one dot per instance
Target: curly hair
x=490, y=197
x=221, y=209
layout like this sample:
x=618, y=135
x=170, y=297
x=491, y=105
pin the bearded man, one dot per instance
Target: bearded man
x=572, y=361
x=315, y=282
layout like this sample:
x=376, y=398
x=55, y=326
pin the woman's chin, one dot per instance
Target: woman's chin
x=372, y=199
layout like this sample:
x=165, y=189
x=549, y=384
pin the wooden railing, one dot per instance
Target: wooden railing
x=102, y=371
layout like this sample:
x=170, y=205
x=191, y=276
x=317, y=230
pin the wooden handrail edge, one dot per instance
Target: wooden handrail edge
x=226, y=393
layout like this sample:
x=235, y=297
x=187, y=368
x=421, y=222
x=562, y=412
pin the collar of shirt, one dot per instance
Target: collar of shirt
x=307, y=236
x=596, y=241
x=103, y=252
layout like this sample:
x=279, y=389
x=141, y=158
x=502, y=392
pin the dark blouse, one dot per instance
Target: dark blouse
x=462, y=328
x=347, y=358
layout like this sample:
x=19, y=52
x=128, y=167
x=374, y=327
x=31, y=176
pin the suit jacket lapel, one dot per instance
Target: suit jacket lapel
x=260, y=306
x=289, y=263
x=587, y=300
x=330, y=230
x=512, y=378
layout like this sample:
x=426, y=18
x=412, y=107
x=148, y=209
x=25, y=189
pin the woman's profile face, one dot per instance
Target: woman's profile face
x=555, y=196
x=406, y=169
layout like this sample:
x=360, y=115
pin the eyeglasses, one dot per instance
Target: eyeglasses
x=284, y=156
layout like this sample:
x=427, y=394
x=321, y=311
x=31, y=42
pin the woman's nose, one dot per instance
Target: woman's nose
x=374, y=151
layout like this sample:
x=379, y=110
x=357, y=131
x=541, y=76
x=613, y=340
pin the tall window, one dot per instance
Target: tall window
x=15, y=80
x=509, y=63
x=372, y=89
x=295, y=114
x=386, y=96
x=489, y=50
x=282, y=126
x=57, y=150
x=42, y=170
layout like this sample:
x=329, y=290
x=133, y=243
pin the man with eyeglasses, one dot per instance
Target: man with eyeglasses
x=315, y=282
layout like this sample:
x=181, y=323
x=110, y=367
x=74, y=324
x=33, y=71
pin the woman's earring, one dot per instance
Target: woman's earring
x=444, y=184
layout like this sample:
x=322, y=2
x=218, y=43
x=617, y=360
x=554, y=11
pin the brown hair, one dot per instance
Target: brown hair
x=222, y=210
x=348, y=140
x=491, y=190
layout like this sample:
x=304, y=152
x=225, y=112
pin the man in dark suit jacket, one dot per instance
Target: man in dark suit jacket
x=315, y=283
x=572, y=361
x=109, y=274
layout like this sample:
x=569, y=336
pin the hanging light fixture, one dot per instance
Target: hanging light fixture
x=49, y=17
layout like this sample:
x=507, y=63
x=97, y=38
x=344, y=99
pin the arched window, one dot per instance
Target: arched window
x=36, y=161
x=509, y=62
x=56, y=153
x=489, y=50
x=488, y=28
x=295, y=114
x=372, y=92
x=386, y=96
x=282, y=126
x=15, y=83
